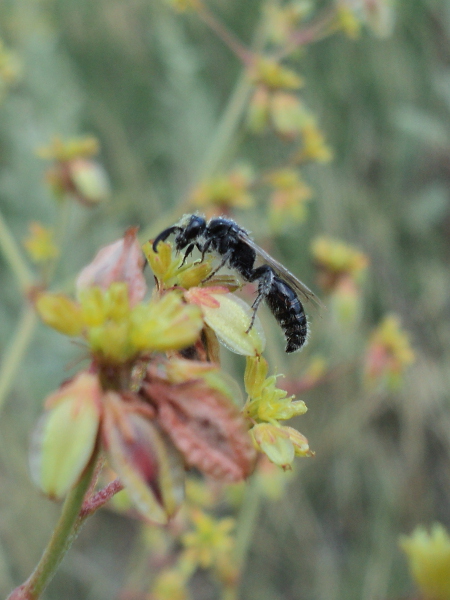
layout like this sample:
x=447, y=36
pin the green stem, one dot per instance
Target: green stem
x=63, y=536
x=13, y=356
x=227, y=127
x=221, y=142
x=14, y=257
x=247, y=518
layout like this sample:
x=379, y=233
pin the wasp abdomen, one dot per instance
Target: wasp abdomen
x=288, y=311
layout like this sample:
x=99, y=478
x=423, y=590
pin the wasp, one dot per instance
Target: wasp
x=277, y=286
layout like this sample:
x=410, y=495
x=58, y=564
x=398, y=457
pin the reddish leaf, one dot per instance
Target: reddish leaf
x=145, y=460
x=205, y=426
x=122, y=260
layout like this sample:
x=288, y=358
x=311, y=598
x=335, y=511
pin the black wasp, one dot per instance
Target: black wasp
x=276, y=285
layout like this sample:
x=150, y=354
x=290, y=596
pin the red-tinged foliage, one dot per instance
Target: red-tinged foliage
x=146, y=461
x=205, y=426
x=122, y=260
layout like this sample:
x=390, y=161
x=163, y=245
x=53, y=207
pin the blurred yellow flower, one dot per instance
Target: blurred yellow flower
x=429, y=561
x=40, y=243
x=210, y=542
x=389, y=353
x=225, y=191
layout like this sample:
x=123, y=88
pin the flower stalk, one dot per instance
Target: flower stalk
x=64, y=535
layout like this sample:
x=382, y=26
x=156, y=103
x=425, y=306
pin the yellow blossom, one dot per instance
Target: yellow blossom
x=165, y=324
x=338, y=256
x=267, y=402
x=275, y=76
x=348, y=22
x=288, y=201
x=185, y=5
x=40, y=243
x=170, y=584
x=168, y=269
x=116, y=331
x=429, y=561
x=314, y=146
x=389, y=353
x=225, y=191
x=59, y=150
x=210, y=542
x=288, y=114
x=280, y=443
x=60, y=312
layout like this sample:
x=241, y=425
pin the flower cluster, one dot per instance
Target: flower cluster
x=429, y=560
x=225, y=192
x=388, y=355
x=289, y=197
x=378, y=15
x=40, y=243
x=149, y=408
x=74, y=172
x=265, y=407
x=9, y=68
x=153, y=397
x=341, y=270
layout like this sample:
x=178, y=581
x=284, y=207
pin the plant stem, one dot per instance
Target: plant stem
x=63, y=536
x=247, y=521
x=13, y=356
x=14, y=257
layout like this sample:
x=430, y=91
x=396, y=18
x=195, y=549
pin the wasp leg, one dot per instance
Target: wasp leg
x=223, y=262
x=164, y=235
x=265, y=276
x=204, y=249
x=189, y=251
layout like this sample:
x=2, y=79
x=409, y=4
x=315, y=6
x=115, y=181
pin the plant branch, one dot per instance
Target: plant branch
x=227, y=37
x=12, y=358
x=13, y=256
x=63, y=536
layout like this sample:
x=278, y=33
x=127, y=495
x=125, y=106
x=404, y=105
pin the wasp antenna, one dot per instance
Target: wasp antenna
x=164, y=235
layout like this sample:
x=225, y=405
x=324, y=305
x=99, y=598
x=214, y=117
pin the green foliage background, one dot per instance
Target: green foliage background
x=152, y=85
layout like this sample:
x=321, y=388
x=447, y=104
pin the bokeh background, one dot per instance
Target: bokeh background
x=152, y=86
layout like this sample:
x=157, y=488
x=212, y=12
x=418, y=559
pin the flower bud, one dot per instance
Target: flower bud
x=230, y=318
x=65, y=436
x=145, y=460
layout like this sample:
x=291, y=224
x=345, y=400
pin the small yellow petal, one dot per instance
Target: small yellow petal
x=60, y=312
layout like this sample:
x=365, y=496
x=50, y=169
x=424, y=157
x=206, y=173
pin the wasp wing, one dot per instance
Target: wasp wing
x=281, y=270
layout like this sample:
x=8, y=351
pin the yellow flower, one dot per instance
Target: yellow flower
x=266, y=402
x=168, y=269
x=273, y=75
x=338, y=257
x=40, y=243
x=60, y=312
x=117, y=332
x=83, y=147
x=211, y=540
x=429, y=561
x=314, y=146
x=165, y=324
x=170, y=584
x=348, y=21
x=225, y=191
x=280, y=443
x=288, y=201
x=389, y=353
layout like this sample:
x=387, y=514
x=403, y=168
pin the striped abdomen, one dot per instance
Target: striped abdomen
x=288, y=311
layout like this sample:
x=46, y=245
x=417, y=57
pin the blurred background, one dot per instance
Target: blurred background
x=153, y=86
